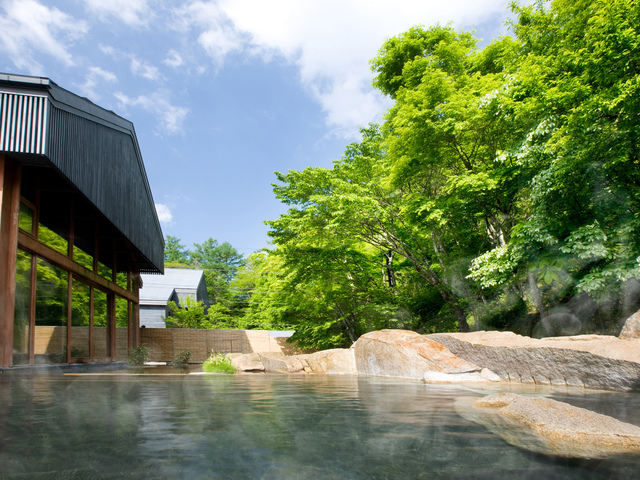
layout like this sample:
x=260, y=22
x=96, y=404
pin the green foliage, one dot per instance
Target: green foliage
x=191, y=314
x=182, y=357
x=174, y=252
x=218, y=363
x=220, y=263
x=138, y=355
x=503, y=182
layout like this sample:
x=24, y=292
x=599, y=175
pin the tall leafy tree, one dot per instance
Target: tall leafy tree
x=348, y=213
x=579, y=79
x=220, y=263
x=174, y=252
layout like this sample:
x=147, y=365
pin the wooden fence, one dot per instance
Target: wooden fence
x=165, y=343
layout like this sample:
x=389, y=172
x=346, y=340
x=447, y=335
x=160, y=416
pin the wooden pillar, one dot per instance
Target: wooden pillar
x=111, y=307
x=111, y=325
x=9, y=212
x=135, y=306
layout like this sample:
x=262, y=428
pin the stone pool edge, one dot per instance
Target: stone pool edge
x=588, y=361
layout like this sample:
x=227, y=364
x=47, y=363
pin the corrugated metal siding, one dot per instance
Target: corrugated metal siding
x=103, y=163
x=152, y=317
x=23, y=123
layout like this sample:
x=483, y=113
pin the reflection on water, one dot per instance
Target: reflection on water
x=267, y=426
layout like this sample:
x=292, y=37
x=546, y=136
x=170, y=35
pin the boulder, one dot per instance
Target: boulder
x=278, y=363
x=405, y=354
x=631, y=328
x=483, y=376
x=546, y=426
x=249, y=362
x=585, y=361
x=337, y=360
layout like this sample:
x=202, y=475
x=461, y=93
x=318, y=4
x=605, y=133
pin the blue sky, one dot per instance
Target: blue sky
x=223, y=93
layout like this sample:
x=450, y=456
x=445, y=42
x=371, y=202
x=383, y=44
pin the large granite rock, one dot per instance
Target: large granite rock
x=337, y=360
x=550, y=427
x=483, y=376
x=586, y=360
x=631, y=328
x=405, y=354
x=248, y=362
x=278, y=363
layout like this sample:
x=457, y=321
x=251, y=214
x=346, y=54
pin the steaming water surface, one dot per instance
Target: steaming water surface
x=269, y=426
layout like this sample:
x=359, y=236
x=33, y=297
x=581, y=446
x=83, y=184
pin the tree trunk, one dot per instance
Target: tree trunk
x=535, y=291
x=349, y=325
x=388, y=269
x=461, y=315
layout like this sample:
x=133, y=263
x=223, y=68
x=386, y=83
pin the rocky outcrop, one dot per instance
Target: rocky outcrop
x=278, y=363
x=248, y=362
x=482, y=376
x=631, y=328
x=588, y=360
x=550, y=427
x=603, y=362
x=335, y=361
x=406, y=354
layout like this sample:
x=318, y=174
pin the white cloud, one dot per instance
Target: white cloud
x=174, y=59
x=143, y=69
x=158, y=103
x=137, y=66
x=164, y=214
x=217, y=37
x=27, y=27
x=131, y=12
x=95, y=76
x=330, y=41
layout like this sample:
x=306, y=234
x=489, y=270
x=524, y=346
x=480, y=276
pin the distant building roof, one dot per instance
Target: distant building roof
x=159, y=289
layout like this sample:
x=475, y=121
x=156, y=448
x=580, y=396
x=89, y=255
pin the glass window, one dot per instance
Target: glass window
x=22, y=312
x=53, y=240
x=25, y=218
x=100, y=327
x=122, y=328
x=82, y=257
x=51, y=314
x=104, y=271
x=80, y=311
x=121, y=280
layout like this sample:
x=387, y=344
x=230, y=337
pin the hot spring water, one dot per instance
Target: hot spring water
x=269, y=427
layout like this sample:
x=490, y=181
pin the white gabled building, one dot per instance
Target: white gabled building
x=175, y=285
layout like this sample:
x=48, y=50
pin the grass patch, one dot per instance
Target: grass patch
x=218, y=363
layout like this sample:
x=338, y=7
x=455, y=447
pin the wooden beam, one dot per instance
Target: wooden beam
x=9, y=212
x=32, y=245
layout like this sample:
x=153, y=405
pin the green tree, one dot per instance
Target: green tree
x=342, y=239
x=175, y=254
x=578, y=79
x=190, y=314
x=220, y=263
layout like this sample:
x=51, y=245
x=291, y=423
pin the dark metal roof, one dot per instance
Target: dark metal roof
x=95, y=149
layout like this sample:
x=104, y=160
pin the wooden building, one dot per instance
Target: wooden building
x=174, y=286
x=77, y=227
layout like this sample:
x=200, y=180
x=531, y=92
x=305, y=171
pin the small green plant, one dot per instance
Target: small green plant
x=182, y=358
x=138, y=355
x=218, y=363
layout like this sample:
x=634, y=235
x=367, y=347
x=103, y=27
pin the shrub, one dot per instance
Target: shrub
x=182, y=358
x=138, y=355
x=218, y=363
